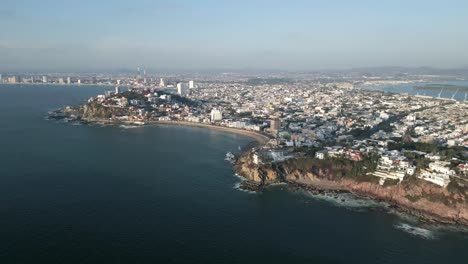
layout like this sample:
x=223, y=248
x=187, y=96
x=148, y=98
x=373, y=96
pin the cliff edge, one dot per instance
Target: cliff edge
x=412, y=195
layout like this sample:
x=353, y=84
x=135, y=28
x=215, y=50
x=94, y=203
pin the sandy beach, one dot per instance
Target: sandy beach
x=254, y=135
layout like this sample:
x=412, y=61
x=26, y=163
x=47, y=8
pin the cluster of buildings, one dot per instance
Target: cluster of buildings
x=336, y=119
x=343, y=121
x=138, y=80
x=47, y=79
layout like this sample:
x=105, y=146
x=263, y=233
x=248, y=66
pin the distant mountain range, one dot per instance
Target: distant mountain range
x=386, y=71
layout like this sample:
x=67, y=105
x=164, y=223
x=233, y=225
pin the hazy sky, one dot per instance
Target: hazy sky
x=220, y=34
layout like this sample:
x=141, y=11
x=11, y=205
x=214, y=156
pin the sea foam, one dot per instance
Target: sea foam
x=238, y=187
x=347, y=200
x=128, y=126
x=416, y=231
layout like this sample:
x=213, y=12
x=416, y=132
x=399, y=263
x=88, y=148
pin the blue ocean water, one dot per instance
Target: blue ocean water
x=163, y=194
x=409, y=88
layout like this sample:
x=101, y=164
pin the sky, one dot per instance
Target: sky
x=82, y=35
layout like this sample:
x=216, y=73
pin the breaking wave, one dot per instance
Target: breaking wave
x=238, y=187
x=347, y=200
x=239, y=177
x=128, y=126
x=416, y=231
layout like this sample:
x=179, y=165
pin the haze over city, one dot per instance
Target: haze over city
x=202, y=35
x=234, y=131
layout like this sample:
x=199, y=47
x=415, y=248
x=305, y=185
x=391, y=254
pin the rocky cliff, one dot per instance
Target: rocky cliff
x=91, y=111
x=97, y=111
x=413, y=195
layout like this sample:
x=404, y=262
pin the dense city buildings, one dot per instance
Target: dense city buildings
x=416, y=136
x=409, y=136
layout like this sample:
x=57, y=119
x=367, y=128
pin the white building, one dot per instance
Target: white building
x=12, y=79
x=411, y=170
x=384, y=115
x=122, y=102
x=68, y=80
x=256, y=159
x=451, y=142
x=101, y=98
x=437, y=178
x=393, y=175
x=165, y=97
x=441, y=167
x=237, y=124
x=117, y=90
x=411, y=117
x=44, y=79
x=191, y=84
x=141, y=112
x=182, y=89
x=278, y=156
x=216, y=115
x=161, y=83
x=321, y=154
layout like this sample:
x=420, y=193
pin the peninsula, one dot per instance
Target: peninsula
x=409, y=151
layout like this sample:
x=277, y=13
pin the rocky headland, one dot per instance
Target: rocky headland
x=414, y=196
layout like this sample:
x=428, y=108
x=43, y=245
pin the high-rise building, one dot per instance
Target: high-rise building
x=68, y=80
x=0, y=78
x=117, y=90
x=161, y=83
x=275, y=125
x=44, y=79
x=216, y=115
x=182, y=89
x=60, y=80
x=78, y=82
x=191, y=84
x=118, y=82
x=12, y=79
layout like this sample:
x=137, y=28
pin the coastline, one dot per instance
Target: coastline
x=296, y=182
x=332, y=189
x=260, y=138
x=426, y=201
x=418, y=210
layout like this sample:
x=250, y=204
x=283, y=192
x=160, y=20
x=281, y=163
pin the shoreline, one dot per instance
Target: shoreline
x=416, y=199
x=260, y=138
x=318, y=187
x=336, y=188
x=333, y=189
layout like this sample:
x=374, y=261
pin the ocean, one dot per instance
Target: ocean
x=409, y=89
x=164, y=194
